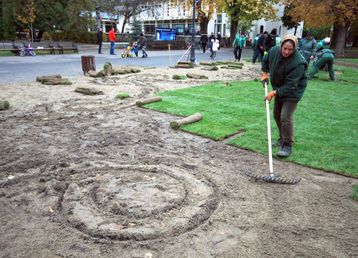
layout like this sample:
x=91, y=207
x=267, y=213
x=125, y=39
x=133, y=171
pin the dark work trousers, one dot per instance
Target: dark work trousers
x=257, y=54
x=203, y=45
x=283, y=113
x=100, y=47
x=237, y=53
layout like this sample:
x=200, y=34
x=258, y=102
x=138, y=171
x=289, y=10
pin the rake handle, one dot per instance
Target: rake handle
x=269, y=131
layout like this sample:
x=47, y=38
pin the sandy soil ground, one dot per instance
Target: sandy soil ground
x=81, y=176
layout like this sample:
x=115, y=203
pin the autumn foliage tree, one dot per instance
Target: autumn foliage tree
x=339, y=13
x=248, y=10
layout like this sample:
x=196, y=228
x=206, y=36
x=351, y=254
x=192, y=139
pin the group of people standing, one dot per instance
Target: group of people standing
x=142, y=42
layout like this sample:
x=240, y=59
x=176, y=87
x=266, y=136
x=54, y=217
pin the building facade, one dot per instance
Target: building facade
x=166, y=14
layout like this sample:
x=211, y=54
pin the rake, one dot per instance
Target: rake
x=271, y=176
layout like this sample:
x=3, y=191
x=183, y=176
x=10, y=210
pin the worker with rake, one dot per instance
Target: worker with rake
x=287, y=69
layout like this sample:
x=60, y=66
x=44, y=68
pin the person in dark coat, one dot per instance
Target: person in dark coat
x=260, y=46
x=270, y=40
x=287, y=69
x=204, y=41
x=219, y=38
x=143, y=45
x=100, y=40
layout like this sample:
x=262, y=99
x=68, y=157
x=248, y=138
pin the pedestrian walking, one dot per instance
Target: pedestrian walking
x=287, y=69
x=143, y=45
x=214, y=48
x=204, y=41
x=112, y=39
x=239, y=43
x=256, y=50
x=100, y=40
x=219, y=39
x=270, y=40
x=325, y=57
x=260, y=48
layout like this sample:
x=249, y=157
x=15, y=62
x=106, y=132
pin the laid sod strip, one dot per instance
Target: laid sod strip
x=348, y=60
x=325, y=120
x=355, y=192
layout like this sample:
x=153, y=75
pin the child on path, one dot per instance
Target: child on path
x=215, y=48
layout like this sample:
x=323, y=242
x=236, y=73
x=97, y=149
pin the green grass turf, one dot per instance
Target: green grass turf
x=326, y=119
x=348, y=60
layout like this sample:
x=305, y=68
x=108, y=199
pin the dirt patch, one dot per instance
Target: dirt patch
x=81, y=176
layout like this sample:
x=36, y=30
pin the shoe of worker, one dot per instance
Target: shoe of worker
x=277, y=143
x=285, y=151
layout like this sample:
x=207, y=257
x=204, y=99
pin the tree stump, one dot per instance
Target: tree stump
x=88, y=64
x=187, y=120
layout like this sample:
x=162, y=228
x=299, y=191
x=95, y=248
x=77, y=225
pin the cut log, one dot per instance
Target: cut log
x=142, y=102
x=88, y=91
x=196, y=76
x=187, y=120
x=4, y=105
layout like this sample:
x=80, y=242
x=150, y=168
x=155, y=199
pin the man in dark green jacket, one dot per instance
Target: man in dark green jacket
x=323, y=57
x=287, y=69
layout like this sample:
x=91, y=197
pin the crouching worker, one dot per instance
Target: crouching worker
x=323, y=57
x=287, y=69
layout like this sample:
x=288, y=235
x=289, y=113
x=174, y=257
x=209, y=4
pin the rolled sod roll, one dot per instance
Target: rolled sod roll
x=88, y=91
x=48, y=77
x=187, y=120
x=4, y=105
x=142, y=102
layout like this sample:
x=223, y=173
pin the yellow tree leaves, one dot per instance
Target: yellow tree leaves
x=26, y=14
x=319, y=13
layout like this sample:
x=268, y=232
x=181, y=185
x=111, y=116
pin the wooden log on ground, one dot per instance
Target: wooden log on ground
x=88, y=91
x=4, y=105
x=187, y=120
x=196, y=76
x=142, y=102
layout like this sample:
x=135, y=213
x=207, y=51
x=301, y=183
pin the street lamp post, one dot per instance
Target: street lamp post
x=192, y=53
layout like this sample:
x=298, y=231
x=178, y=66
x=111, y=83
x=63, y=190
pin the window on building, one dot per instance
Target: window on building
x=261, y=29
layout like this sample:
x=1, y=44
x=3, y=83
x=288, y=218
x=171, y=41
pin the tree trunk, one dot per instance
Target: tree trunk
x=204, y=25
x=124, y=24
x=233, y=29
x=334, y=36
x=342, y=31
x=355, y=41
x=39, y=35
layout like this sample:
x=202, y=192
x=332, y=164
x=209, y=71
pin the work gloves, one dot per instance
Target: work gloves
x=264, y=78
x=270, y=95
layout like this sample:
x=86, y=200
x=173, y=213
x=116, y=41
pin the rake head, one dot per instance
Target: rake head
x=274, y=179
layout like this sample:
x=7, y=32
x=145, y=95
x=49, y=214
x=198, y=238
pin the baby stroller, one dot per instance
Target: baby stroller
x=130, y=50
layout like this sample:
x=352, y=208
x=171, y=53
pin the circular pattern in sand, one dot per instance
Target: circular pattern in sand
x=139, y=202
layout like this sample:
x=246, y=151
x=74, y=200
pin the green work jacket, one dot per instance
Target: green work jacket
x=287, y=75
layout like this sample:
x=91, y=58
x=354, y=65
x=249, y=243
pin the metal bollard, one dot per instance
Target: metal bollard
x=88, y=64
